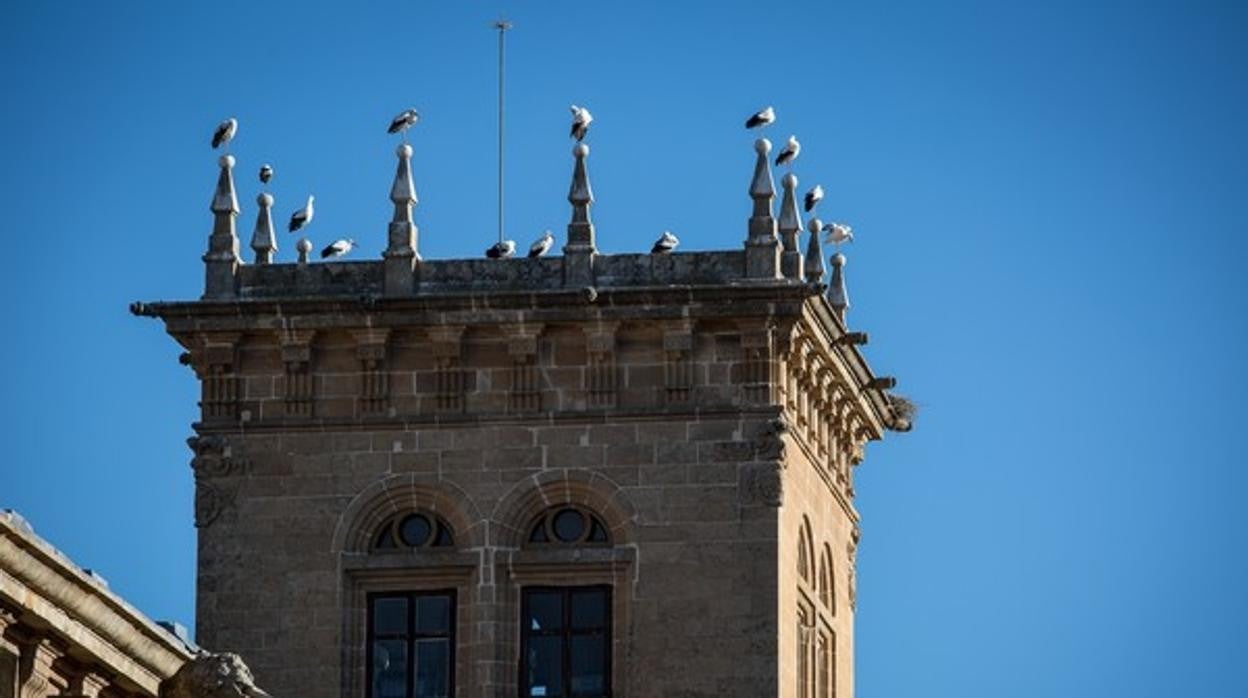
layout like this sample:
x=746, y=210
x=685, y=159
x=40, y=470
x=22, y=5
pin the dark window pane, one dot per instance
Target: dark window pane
x=545, y=611
x=543, y=672
x=539, y=533
x=390, y=617
x=433, y=615
x=432, y=669
x=415, y=530
x=390, y=669
x=589, y=609
x=597, y=533
x=385, y=540
x=569, y=525
x=588, y=670
x=444, y=536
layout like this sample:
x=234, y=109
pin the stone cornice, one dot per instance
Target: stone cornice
x=40, y=581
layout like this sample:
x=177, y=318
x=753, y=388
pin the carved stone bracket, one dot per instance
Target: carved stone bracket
x=297, y=390
x=214, y=457
x=215, y=361
x=602, y=380
x=678, y=365
x=757, y=349
x=525, y=394
x=446, y=346
x=374, y=378
x=210, y=502
x=769, y=442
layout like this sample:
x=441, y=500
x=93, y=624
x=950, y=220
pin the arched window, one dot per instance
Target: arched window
x=568, y=525
x=826, y=588
x=413, y=530
x=804, y=554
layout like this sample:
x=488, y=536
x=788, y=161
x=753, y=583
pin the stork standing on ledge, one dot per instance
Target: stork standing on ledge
x=302, y=217
x=225, y=133
x=404, y=121
x=266, y=173
x=581, y=118
x=665, y=244
x=813, y=197
x=338, y=248
x=790, y=152
x=501, y=250
x=542, y=245
x=762, y=119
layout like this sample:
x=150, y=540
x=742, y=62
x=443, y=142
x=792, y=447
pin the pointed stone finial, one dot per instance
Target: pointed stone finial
x=221, y=260
x=578, y=254
x=790, y=228
x=304, y=248
x=263, y=240
x=762, y=249
x=401, y=255
x=837, y=295
x=814, y=252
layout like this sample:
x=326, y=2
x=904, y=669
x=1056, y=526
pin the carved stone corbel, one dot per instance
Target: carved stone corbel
x=374, y=378
x=678, y=361
x=446, y=346
x=757, y=348
x=297, y=388
x=601, y=377
x=215, y=361
x=525, y=394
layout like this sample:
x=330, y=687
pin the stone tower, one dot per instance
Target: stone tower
x=580, y=475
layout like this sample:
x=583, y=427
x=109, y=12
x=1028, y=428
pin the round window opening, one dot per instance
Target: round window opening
x=569, y=525
x=415, y=530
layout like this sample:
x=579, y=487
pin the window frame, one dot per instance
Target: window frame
x=410, y=596
x=565, y=635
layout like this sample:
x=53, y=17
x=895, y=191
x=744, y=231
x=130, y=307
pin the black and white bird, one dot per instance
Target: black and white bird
x=302, y=217
x=338, y=248
x=225, y=132
x=789, y=153
x=266, y=173
x=836, y=233
x=665, y=244
x=813, y=197
x=542, y=245
x=581, y=118
x=404, y=121
x=501, y=250
x=763, y=118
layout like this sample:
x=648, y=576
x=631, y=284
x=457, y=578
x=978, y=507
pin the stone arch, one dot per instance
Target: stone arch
x=404, y=492
x=827, y=579
x=805, y=553
x=533, y=495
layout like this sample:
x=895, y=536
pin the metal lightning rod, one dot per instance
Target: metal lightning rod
x=502, y=25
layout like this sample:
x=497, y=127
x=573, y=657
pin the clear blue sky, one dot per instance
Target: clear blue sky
x=1050, y=206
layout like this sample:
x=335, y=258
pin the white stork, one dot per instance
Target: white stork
x=542, y=245
x=665, y=244
x=789, y=154
x=763, y=118
x=501, y=250
x=338, y=248
x=581, y=118
x=302, y=217
x=224, y=133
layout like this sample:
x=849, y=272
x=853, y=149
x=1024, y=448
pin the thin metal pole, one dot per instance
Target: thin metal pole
x=502, y=25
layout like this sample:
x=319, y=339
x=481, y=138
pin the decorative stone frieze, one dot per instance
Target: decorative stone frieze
x=215, y=361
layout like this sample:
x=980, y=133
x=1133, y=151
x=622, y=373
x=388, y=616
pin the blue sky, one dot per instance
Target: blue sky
x=1049, y=206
